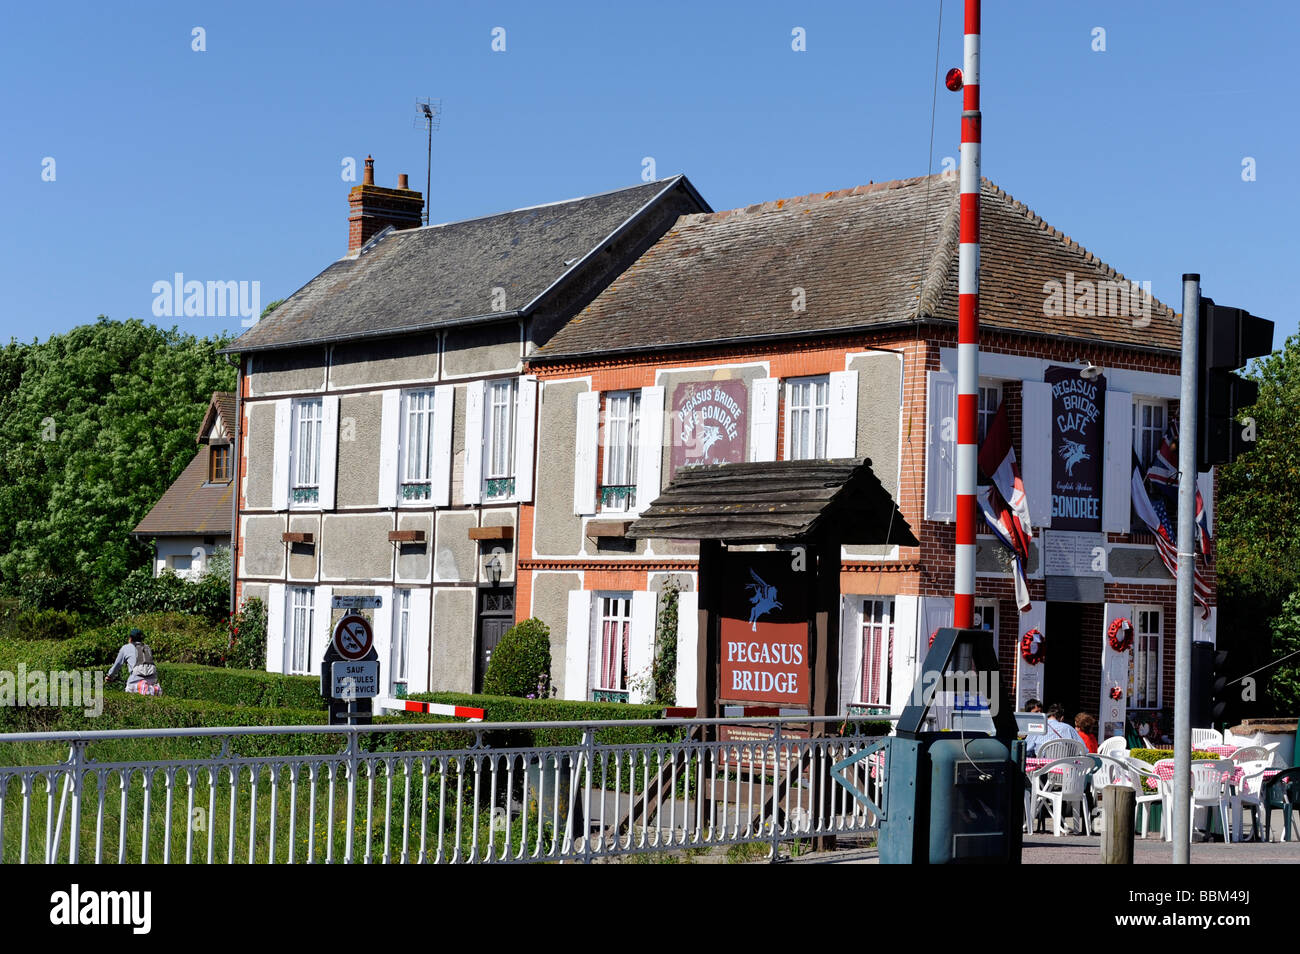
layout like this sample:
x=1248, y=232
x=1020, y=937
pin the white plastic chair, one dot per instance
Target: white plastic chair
x=1210, y=790
x=1116, y=747
x=1204, y=737
x=1061, y=749
x=1248, y=795
x=1252, y=753
x=1072, y=774
x=1146, y=798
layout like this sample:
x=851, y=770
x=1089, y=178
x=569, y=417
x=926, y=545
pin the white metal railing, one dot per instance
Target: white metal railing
x=427, y=793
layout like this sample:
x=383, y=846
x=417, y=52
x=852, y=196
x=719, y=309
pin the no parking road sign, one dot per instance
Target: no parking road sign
x=353, y=637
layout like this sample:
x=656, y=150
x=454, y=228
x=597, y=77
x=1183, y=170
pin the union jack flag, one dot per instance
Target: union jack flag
x=1162, y=475
x=1154, y=512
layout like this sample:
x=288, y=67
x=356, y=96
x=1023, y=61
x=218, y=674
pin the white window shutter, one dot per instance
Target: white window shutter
x=1114, y=670
x=275, y=628
x=688, y=635
x=850, y=651
x=762, y=419
x=321, y=625
x=329, y=450
x=1029, y=679
x=584, y=465
x=419, y=649
x=525, y=430
x=577, y=645
x=384, y=625
x=650, y=453
x=641, y=645
x=842, y=419
x=1036, y=444
x=390, y=429
x=1205, y=484
x=941, y=447
x=440, y=478
x=1117, y=475
x=282, y=451
x=473, y=491
x=905, y=664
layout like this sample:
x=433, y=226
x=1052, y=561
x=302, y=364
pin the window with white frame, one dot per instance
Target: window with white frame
x=417, y=445
x=808, y=404
x=986, y=617
x=622, y=433
x=301, y=610
x=307, y=418
x=399, y=665
x=990, y=398
x=877, y=650
x=499, y=446
x=1149, y=422
x=1144, y=671
x=614, y=630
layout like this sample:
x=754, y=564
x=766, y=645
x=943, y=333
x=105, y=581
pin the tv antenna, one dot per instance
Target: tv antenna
x=428, y=113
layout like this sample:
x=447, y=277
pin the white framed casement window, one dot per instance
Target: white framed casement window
x=1149, y=421
x=613, y=638
x=877, y=650
x=1144, y=668
x=807, y=410
x=622, y=438
x=986, y=617
x=301, y=620
x=305, y=467
x=399, y=665
x=990, y=397
x=417, y=444
x=499, y=439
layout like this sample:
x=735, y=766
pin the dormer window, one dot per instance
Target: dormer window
x=219, y=464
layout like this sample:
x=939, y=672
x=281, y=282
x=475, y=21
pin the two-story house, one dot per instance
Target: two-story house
x=825, y=326
x=387, y=434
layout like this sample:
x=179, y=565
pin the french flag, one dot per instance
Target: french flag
x=1005, y=506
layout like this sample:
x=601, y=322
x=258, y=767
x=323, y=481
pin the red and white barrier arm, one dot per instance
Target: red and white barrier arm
x=433, y=708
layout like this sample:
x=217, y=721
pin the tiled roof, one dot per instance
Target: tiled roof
x=224, y=403
x=859, y=258
x=443, y=275
x=191, y=506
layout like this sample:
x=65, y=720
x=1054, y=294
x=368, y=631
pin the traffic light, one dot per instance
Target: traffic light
x=1219, y=687
x=1229, y=337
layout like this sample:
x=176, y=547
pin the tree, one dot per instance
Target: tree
x=1258, y=531
x=94, y=425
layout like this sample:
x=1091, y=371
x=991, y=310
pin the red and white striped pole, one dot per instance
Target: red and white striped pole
x=968, y=323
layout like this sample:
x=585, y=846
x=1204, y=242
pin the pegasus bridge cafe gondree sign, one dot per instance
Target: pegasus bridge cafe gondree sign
x=1078, y=407
x=763, y=630
x=710, y=423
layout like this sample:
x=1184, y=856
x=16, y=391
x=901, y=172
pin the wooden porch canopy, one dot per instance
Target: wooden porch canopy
x=832, y=501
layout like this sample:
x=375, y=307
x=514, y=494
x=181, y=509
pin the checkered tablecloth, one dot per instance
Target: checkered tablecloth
x=1165, y=769
x=1222, y=751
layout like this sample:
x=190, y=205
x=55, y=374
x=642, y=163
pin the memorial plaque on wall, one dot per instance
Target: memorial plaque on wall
x=763, y=626
x=710, y=423
x=1078, y=448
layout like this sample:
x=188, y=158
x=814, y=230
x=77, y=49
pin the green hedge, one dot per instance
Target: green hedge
x=240, y=687
x=1155, y=755
x=512, y=709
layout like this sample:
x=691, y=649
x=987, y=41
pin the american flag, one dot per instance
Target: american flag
x=1163, y=477
x=1154, y=512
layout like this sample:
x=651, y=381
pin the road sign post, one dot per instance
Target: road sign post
x=350, y=671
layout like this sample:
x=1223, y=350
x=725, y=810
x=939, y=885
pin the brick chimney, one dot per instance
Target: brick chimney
x=374, y=208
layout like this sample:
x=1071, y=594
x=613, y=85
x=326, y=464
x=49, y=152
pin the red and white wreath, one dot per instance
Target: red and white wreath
x=1116, y=692
x=1033, y=648
x=1120, y=635
x=932, y=635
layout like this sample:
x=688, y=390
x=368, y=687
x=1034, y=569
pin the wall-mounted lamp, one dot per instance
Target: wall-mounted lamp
x=493, y=568
x=1089, y=371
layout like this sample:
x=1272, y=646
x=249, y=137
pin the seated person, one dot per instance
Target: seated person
x=1055, y=729
x=1086, y=726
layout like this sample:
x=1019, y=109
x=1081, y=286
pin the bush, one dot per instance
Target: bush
x=246, y=688
x=521, y=662
x=247, y=646
x=142, y=592
x=173, y=637
x=1155, y=755
x=41, y=624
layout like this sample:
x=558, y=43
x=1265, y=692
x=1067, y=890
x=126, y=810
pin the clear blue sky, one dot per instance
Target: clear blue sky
x=225, y=164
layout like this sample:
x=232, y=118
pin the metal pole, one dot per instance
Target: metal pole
x=1181, y=830
x=968, y=282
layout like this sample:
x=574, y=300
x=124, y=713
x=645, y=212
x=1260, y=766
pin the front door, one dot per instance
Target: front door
x=496, y=614
x=1064, y=650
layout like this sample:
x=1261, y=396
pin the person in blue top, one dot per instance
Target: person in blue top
x=1055, y=729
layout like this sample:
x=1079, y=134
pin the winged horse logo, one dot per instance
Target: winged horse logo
x=762, y=599
x=1072, y=452
x=699, y=437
